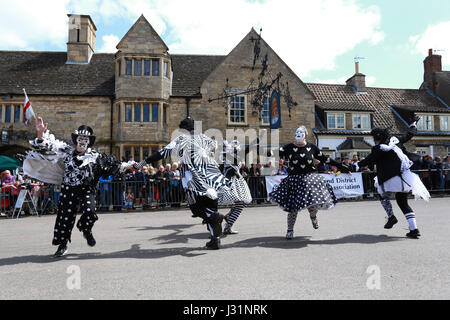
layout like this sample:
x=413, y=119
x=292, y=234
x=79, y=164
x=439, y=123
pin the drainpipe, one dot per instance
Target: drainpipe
x=111, y=126
x=188, y=100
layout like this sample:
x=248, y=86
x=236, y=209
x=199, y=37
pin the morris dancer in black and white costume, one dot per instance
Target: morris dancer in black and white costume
x=77, y=170
x=303, y=188
x=393, y=161
x=239, y=196
x=202, y=179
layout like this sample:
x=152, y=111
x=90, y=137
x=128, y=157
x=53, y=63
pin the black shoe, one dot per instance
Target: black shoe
x=90, y=238
x=390, y=223
x=214, y=244
x=62, y=250
x=413, y=234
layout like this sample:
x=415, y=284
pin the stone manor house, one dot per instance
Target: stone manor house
x=134, y=99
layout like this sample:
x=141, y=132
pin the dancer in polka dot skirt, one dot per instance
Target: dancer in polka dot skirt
x=303, y=188
x=78, y=170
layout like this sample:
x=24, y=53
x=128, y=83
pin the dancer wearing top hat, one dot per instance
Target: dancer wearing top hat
x=77, y=169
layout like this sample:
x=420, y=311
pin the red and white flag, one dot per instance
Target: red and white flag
x=27, y=109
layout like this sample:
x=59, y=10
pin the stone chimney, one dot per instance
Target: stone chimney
x=81, y=45
x=432, y=64
x=358, y=80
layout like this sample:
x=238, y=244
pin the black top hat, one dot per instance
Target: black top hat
x=84, y=131
x=187, y=124
x=380, y=134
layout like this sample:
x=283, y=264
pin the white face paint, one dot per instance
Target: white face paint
x=82, y=143
x=300, y=134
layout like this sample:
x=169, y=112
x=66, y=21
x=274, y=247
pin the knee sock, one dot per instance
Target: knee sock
x=313, y=212
x=291, y=218
x=402, y=201
x=386, y=203
x=234, y=214
x=411, y=218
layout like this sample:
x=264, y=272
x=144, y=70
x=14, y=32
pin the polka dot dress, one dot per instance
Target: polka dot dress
x=301, y=191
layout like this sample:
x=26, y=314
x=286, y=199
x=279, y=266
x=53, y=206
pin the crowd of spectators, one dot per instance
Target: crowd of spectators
x=160, y=186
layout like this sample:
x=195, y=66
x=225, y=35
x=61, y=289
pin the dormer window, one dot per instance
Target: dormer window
x=445, y=121
x=361, y=121
x=425, y=123
x=336, y=120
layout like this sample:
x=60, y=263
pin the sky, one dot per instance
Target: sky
x=318, y=39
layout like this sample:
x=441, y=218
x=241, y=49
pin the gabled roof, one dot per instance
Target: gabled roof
x=253, y=34
x=46, y=73
x=152, y=33
x=380, y=100
x=356, y=143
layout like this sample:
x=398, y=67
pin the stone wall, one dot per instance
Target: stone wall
x=64, y=114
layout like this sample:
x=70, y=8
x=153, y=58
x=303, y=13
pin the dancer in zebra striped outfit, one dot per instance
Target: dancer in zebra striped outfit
x=202, y=179
x=239, y=196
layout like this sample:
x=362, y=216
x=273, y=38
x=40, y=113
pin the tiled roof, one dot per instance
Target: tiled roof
x=430, y=109
x=377, y=99
x=46, y=73
x=333, y=105
x=354, y=143
x=189, y=72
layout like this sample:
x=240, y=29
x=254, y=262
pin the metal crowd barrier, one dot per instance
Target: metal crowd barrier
x=159, y=194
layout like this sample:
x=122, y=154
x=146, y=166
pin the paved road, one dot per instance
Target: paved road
x=148, y=255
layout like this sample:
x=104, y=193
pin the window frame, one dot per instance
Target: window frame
x=166, y=69
x=18, y=114
x=8, y=113
x=361, y=120
x=128, y=63
x=128, y=115
x=137, y=67
x=149, y=62
x=266, y=103
x=137, y=107
x=424, y=128
x=153, y=69
x=233, y=123
x=441, y=117
x=148, y=112
x=157, y=112
x=335, y=120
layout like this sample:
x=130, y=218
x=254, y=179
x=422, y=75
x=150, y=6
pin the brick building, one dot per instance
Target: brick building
x=135, y=98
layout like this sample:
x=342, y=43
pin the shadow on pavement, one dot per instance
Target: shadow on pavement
x=135, y=252
x=301, y=242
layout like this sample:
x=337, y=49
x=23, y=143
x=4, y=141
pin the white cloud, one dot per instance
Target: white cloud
x=308, y=35
x=434, y=37
x=27, y=24
x=370, y=81
x=109, y=44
